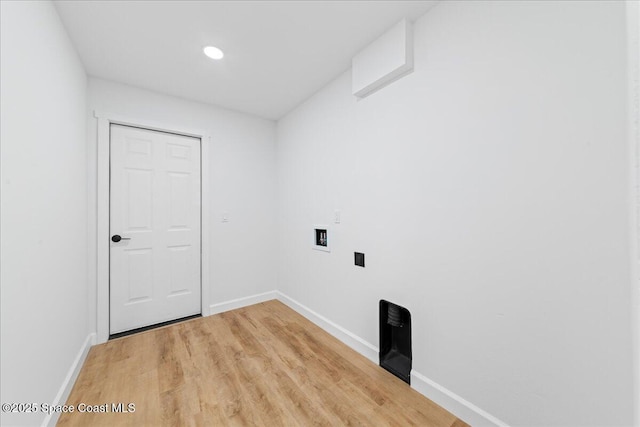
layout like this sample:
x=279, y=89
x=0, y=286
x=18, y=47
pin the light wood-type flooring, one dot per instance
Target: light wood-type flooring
x=262, y=365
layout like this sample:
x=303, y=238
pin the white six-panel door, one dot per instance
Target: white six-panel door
x=155, y=209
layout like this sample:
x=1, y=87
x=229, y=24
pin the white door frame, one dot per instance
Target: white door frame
x=102, y=213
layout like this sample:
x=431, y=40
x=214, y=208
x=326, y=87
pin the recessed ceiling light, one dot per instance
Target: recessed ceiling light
x=213, y=52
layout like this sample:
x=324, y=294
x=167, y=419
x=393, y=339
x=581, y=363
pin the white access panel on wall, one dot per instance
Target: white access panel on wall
x=154, y=227
x=385, y=60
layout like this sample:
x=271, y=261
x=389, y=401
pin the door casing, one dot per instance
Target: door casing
x=99, y=244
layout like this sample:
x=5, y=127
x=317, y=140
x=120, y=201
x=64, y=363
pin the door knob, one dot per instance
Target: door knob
x=116, y=238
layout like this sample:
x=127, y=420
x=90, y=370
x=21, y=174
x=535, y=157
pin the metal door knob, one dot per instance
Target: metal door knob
x=116, y=238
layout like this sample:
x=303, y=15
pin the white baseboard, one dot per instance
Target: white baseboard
x=352, y=340
x=450, y=401
x=447, y=399
x=70, y=380
x=241, y=302
x=453, y=403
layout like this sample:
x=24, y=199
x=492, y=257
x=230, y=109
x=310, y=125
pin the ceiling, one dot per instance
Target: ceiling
x=277, y=53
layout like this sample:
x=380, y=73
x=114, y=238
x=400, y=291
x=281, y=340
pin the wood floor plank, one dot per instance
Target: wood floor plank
x=263, y=365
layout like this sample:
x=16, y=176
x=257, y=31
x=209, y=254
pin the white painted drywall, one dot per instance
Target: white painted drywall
x=489, y=192
x=242, y=181
x=633, y=48
x=44, y=206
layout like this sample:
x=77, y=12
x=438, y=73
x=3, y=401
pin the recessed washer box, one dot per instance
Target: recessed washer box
x=385, y=60
x=321, y=238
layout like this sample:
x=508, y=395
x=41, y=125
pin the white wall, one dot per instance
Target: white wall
x=633, y=47
x=242, y=181
x=488, y=190
x=44, y=206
